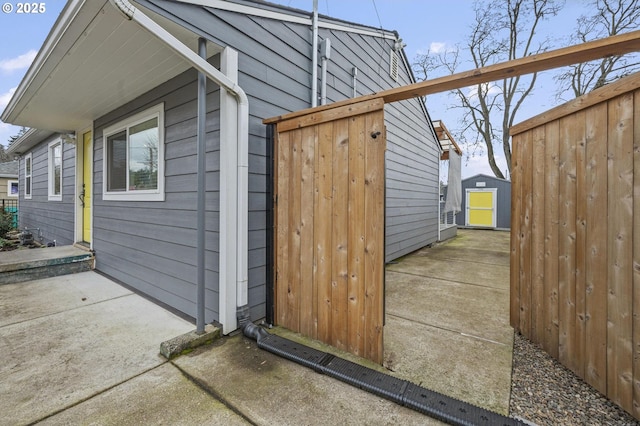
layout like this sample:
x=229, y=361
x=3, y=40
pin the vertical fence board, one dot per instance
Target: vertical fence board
x=282, y=231
x=322, y=228
x=356, y=237
x=620, y=184
x=551, y=206
x=307, y=289
x=525, y=242
x=339, y=241
x=636, y=257
x=295, y=185
x=514, y=261
x=374, y=225
x=580, y=227
x=537, y=237
x=596, y=248
x=566, y=243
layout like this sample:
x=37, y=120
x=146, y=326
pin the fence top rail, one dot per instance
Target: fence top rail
x=610, y=46
x=602, y=94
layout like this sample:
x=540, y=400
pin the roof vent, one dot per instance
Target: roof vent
x=393, y=65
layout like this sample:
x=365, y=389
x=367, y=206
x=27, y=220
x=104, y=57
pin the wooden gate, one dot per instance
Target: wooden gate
x=329, y=226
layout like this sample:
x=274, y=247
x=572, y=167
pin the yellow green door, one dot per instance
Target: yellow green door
x=481, y=208
x=85, y=194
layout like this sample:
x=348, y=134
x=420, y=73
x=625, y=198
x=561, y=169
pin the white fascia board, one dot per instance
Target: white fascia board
x=31, y=138
x=249, y=10
x=348, y=29
x=59, y=28
x=281, y=16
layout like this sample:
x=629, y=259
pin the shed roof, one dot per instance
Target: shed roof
x=484, y=176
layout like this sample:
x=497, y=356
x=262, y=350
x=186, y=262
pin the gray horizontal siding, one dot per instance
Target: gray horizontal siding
x=55, y=219
x=150, y=246
x=412, y=151
x=274, y=70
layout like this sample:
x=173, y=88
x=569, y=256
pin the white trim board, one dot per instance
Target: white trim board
x=282, y=16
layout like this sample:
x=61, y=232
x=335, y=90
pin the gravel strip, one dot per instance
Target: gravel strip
x=544, y=392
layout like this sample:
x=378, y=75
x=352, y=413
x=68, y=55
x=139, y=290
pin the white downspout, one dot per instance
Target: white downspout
x=314, y=56
x=325, y=49
x=439, y=194
x=242, y=201
x=228, y=192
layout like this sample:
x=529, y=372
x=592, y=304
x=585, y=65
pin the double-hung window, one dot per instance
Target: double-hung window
x=55, y=170
x=28, y=160
x=134, y=157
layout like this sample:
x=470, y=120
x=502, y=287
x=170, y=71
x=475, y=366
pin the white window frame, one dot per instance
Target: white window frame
x=28, y=185
x=51, y=178
x=10, y=183
x=135, y=195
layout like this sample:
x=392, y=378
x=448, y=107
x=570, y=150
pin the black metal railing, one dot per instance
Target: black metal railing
x=11, y=206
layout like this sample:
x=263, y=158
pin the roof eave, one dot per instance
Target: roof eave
x=68, y=86
x=69, y=11
x=26, y=142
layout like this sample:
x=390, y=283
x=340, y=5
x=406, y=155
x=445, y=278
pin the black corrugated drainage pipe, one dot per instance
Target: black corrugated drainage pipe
x=403, y=392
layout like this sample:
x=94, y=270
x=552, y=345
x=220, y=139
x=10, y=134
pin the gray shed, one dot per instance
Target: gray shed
x=486, y=203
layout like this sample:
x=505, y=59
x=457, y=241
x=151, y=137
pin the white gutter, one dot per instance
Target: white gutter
x=31, y=138
x=242, y=166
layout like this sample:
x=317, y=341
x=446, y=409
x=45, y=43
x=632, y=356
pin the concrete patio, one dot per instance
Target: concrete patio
x=448, y=318
x=82, y=349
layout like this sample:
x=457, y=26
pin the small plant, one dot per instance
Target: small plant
x=6, y=223
x=7, y=245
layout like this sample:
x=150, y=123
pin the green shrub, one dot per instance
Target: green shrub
x=6, y=223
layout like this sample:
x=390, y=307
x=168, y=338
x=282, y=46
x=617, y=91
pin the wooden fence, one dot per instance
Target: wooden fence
x=329, y=226
x=575, y=242
x=326, y=244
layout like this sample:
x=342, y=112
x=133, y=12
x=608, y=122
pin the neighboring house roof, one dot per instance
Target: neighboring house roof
x=9, y=170
x=94, y=60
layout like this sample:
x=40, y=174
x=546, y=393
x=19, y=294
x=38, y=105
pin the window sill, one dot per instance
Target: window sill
x=129, y=196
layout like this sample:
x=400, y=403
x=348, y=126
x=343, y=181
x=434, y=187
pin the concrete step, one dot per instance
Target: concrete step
x=32, y=264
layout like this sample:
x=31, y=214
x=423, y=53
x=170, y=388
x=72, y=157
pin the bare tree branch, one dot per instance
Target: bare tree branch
x=502, y=31
x=611, y=17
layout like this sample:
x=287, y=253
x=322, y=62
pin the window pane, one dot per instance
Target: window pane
x=117, y=162
x=143, y=156
x=57, y=169
x=27, y=189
